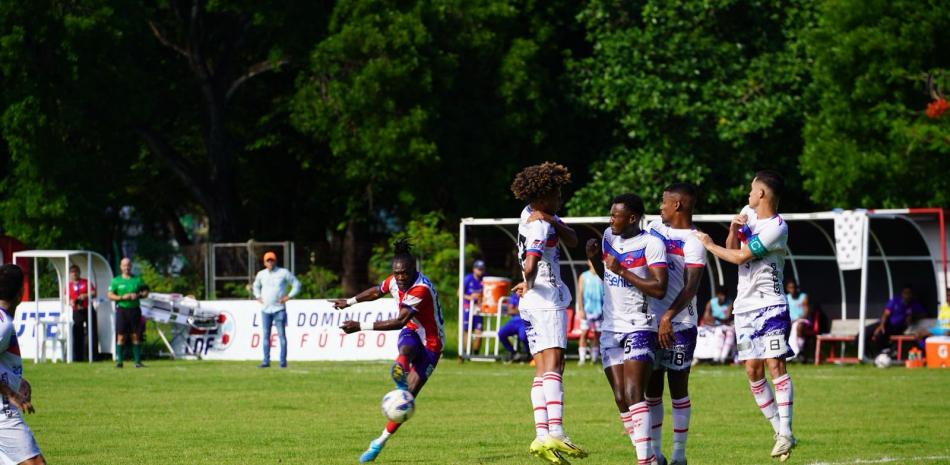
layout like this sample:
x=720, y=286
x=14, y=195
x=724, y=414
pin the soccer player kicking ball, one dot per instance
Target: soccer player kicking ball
x=677, y=314
x=421, y=324
x=17, y=445
x=632, y=264
x=544, y=302
x=756, y=242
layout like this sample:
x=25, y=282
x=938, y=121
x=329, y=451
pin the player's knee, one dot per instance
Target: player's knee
x=38, y=460
x=754, y=372
x=776, y=367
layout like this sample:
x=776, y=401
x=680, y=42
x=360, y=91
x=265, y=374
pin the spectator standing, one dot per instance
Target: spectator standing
x=899, y=313
x=126, y=290
x=271, y=290
x=590, y=303
x=800, y=314
x=472, y=297
x=80, y=293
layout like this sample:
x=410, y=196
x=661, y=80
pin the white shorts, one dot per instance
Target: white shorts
x=16, y=440
x=763, y=333
x=546, y=329
x=615, y=348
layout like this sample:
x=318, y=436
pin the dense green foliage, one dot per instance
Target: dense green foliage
x=326, y=413
x=337, y=123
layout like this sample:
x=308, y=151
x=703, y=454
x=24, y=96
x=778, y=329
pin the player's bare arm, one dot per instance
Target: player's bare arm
x=686, y=295
x=17, y=399
x=405, y=314
x=739, y=256
x=594, y=253
x=530, y=268
x=26, y=390
x=732, y=240
x=565, y=233
x=367, y=295
x=653, y=286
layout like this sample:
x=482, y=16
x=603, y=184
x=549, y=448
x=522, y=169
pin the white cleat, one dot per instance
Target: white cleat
x=783, y=447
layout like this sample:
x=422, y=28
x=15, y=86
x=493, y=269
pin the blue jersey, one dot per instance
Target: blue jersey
x=593, y=295
x=470, y=284
x=719, y=309
x=796, y=307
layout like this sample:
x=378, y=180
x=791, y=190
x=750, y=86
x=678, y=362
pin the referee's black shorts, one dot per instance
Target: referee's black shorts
x=128, y=321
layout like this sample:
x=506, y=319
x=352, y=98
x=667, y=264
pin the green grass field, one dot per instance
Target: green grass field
x=326, y=413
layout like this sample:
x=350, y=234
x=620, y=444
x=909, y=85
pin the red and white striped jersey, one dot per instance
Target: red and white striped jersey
x=423, y=301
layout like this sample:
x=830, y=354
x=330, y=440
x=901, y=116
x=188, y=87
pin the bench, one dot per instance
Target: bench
x=911, y=334
x=574, y=330
x=843, y=331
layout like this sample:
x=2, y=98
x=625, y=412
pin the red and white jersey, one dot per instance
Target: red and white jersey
x=539, y=238
x=626, y=308
x=74, y=289
x=11, y=366
x=683, y=250
x=423, y=301
x=761, y=279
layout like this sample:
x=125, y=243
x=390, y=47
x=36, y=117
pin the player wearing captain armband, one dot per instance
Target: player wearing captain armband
x=544, y=303
x=757, y=243
x=633, y=266
x=677, y=315
x=421, y=329
x=17, y=445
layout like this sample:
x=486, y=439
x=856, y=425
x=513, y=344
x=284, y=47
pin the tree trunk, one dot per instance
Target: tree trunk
x=357, y=249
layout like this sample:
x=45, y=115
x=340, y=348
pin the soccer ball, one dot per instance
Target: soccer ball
x=882, y=361
x=398, y=405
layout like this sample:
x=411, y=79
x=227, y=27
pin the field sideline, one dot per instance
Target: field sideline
x=326, y=413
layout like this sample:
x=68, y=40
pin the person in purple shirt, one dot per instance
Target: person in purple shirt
x=514, y=326
x=472, y=288
x=899, y=313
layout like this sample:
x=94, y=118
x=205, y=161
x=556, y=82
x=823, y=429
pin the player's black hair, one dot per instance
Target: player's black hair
x=73, y=267
x=908, y=286
x=402, y=252
x=721, y=290
x=536, y=181
x=632, y=202
x=11, y=282
x=791, y=280
x=773, y=180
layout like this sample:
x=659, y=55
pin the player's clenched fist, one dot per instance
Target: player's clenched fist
x=350, y=326
x=738, y=221
x=593, y=249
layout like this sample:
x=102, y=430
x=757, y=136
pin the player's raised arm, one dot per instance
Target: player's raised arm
x=734, y=256
x=368, y=295
x=405, y=314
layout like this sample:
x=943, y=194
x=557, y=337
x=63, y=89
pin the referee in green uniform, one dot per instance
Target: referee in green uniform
x=126, y=290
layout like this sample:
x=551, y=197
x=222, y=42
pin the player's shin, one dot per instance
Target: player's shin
x=539, y=404
x=640, y=417
x=554, y=401
x=681, y=412
x=390, y=428
x=656, y=418
x=784, y=397
x=763, y=398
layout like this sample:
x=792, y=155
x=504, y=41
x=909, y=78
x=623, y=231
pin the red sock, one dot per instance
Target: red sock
x=403, y=361
x=392, y=426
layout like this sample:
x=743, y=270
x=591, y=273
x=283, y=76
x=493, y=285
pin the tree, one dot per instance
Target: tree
x=705, y=92
x=877, y=65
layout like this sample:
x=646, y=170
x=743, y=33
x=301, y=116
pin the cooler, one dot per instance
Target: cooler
x=494, y=289
x=938, y=352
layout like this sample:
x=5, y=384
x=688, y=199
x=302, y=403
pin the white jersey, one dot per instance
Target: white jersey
x=760, y=279
x=626, y=308
x=683, y=250
x=539, y=238
x=11, y=366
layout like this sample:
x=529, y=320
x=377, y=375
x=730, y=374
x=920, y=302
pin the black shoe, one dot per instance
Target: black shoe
x=264, y=365
x=118, y=365
x=139, y=365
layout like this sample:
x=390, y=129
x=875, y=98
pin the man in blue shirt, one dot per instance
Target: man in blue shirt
x=472, y=288
x=270, y=289
x=899, y=313
x=514, y=326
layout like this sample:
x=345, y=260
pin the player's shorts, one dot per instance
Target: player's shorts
x=638, y=346
x=476, y=321
x=128, y=321
x=16, y=440
x=763, y=333
x=680, y=356
x=546, y=329
x=422, y=361
x=592, y=324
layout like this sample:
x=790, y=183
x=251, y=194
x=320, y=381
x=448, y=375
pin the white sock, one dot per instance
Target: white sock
x=594, y=352
x=783, y=397
x=640, y=417
x=383, y=437
x=540, y=409
x=582, y=353
x=554, y=397
x=763, y=398
x=681, y=411
x=656, y=428
x=627, y=419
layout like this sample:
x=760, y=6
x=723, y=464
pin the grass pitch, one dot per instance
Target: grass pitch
x=326, y=413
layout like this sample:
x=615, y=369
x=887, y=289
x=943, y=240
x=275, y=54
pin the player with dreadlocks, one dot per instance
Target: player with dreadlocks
x=544, y=302
x=421, y=324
